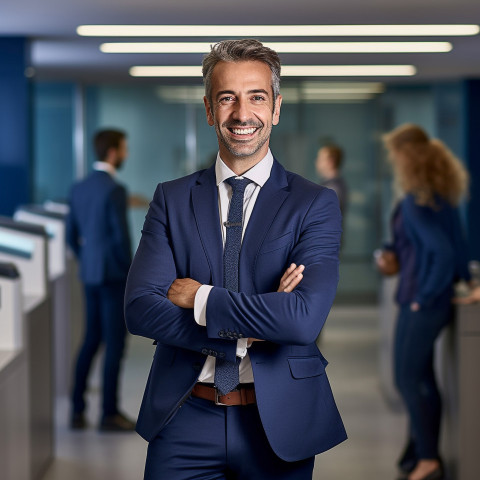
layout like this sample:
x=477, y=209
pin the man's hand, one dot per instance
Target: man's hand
x=182, y=292
x=291, y=278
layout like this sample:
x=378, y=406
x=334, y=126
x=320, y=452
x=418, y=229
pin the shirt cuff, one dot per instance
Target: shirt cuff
x=242, y=347
x=200, y=305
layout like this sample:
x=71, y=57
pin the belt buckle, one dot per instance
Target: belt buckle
x=217, y=402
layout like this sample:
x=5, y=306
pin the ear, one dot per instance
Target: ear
x=208, y=110
x=111, y=154
x=276, y=112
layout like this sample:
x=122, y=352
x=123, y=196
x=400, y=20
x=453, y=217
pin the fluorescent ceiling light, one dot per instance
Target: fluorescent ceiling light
x=223, y=31
x=337, y=96
x=166, y=71
x=342, y=87
x=194, y=95
x=287, y=71
x=284, y=47
x=323, y=93
x=347, y=70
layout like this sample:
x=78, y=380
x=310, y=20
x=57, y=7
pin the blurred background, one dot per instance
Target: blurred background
x=408, y=61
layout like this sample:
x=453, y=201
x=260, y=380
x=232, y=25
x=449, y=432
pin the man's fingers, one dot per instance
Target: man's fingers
x=293, y=283
x=291, y=275
x=288, y=271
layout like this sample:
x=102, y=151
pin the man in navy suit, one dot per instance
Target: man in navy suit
x=97, y=231
x=234, y=277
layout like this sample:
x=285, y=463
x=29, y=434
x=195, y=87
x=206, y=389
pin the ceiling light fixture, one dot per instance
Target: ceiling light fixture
x=287, y=71
x=347, y=70
x=222, y=31
x=284, y=47
x=194, y=94
x=342, y=87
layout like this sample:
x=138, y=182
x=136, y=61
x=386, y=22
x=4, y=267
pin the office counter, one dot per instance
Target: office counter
x=461, y=386
x=457, y=360
x=57, y=272
x=14, y=380
x=25, y=245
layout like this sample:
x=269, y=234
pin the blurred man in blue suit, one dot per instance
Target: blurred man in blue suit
x=97, y=231
x=233, y=279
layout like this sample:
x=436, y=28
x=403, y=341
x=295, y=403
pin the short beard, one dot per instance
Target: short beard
x=231, y=147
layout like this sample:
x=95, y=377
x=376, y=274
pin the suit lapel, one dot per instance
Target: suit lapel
x=205, y=209
x=268, y=203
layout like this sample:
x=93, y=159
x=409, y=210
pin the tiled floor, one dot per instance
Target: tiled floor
x=349, y=341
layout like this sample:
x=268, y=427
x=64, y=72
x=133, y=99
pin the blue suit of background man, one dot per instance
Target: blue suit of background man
x=97, y=231
x=293, y=220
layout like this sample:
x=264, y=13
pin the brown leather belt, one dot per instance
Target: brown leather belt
x=244, y=395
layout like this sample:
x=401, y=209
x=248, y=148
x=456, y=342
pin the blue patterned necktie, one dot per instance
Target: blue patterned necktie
x=227, y=375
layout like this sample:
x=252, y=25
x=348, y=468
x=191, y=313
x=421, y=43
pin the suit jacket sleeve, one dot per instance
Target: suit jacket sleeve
x=120, y=235
x=71, y=230
x=148, y=312
x=289, y=318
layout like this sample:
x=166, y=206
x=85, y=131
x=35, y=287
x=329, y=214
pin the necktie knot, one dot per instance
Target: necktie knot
x=238, y=184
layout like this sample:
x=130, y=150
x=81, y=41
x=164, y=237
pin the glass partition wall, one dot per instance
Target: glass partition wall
x=169, y=137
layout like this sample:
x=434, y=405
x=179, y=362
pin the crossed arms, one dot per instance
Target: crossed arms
x=183, y=290
x=154, y=292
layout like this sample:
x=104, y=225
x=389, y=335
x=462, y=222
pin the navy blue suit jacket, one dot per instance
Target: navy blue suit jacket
x=293, y=221
x=97, y=229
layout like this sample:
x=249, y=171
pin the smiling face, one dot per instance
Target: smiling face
x=243, y=112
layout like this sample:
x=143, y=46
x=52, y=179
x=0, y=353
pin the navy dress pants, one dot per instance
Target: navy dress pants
x=105, y=324
x=415, y=377
x=205, y=441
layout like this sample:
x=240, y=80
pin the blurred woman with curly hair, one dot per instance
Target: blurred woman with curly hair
x=429, y=252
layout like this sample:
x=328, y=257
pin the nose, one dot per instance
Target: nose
x=241, y=111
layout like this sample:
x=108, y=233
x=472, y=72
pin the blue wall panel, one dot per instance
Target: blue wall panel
x=472, y=155
x=15, y=171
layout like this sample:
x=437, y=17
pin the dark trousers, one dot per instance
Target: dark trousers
x=415, y=377
x=105, y=324
x=204, y=441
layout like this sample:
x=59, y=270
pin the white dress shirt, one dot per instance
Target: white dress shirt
x=258, y=174
x=105, y=167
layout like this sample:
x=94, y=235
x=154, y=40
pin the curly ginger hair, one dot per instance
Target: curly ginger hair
x=425, y=167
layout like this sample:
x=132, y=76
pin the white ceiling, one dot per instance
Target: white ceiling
x=58, y=52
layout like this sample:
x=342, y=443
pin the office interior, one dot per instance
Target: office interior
x=54, y=97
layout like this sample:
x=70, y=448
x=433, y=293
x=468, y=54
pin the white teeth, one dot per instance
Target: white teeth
x=243, y=131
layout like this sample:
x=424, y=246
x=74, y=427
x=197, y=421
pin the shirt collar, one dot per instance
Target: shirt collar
x=105, y=167
x=259, y=173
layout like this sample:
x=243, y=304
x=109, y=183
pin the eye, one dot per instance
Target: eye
x=226, y=99
x=258, y=98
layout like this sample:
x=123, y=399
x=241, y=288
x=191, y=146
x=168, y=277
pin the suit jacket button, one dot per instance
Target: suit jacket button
x=221, y=333
x=221, y=354
x=240, y=335
x=204, y=351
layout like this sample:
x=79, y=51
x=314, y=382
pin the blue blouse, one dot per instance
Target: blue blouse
x=431, y=249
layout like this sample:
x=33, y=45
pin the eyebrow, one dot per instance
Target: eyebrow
x=231, y=92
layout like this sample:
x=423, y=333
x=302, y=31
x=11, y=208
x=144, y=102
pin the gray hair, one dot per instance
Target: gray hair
x=238, y=51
